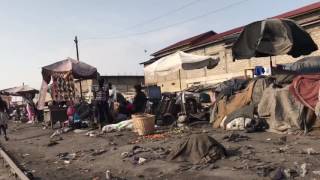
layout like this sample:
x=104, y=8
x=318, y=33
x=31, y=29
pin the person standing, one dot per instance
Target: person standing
x=112, y=92
x=30, y=108
x=3, y=118
x=140, y=100
x=101, y=96
x=112, y=101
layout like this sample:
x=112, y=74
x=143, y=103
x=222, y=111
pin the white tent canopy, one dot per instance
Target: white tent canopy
x=178, y=61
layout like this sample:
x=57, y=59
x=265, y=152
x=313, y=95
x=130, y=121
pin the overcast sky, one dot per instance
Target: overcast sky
x=114, y=35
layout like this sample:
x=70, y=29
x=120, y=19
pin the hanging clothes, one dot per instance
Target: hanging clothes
x=63, y=88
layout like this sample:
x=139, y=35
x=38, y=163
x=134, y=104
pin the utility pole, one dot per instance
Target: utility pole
x=76, y=41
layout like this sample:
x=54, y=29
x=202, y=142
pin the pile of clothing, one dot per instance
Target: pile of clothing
x=62, y=88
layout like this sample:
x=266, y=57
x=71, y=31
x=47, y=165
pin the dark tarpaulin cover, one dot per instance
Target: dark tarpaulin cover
x=198, y=148
x=305, y=65
x=229, y=87
x=273, y=37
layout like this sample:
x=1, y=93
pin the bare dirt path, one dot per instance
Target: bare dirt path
x=4, y=173
x=77, y=156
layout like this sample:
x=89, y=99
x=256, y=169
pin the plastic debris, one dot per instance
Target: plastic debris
x=108, y=175
x=310, y=151
x=304, y=170
x=316, y=172
x=141, y=161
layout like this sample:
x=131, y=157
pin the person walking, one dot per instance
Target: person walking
x=4, y=118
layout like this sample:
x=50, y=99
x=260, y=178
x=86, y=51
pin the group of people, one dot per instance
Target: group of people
x=107, y=101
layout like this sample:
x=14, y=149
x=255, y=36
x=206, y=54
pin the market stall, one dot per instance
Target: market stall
x=26, y=94
x=58, y=80
x=175, y=63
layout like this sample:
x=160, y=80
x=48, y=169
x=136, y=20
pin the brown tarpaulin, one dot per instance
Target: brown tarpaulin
x=239, y=100
x=282, y=111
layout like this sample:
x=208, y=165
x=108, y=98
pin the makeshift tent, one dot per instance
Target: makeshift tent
x=66, y=68
x=273, y=37
x=178, y=61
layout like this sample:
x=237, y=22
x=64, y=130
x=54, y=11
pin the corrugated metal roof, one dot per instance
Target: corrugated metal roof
x=290, y=14
x=189, y=41
x=207, y=37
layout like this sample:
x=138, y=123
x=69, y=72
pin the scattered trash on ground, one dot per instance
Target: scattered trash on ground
x=52, y=143
x=123, y=125
x=234, y=137
x=310, y=151
x=108, y=175
x=304, y=170
x=316, y=172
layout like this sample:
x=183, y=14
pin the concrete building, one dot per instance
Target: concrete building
x=124, y=84
x=219, y=45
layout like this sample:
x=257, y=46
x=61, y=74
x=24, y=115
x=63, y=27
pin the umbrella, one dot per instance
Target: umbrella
x=178, y=61
x=273, y=37
x=19, y=91
x=80, y=70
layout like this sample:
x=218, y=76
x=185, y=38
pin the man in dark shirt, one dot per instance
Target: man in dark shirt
x=101, y=96
x=140, y=100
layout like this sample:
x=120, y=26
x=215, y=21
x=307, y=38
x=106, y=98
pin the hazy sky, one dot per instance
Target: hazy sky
x=111, y=33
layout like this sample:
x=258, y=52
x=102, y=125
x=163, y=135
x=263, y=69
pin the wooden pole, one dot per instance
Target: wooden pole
x=180, y=80
x=271, y=65
x=77, y=49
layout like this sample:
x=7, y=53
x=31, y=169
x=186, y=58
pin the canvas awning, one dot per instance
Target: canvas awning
x=19, y=91
x=180, y=60
x=80, y=70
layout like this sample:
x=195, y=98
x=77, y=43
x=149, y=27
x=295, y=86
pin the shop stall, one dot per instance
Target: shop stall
x=58, y=80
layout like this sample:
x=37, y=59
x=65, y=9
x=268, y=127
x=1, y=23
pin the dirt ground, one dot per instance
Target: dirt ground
x=5, y=173
x=77, y=156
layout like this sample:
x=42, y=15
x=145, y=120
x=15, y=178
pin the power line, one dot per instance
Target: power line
x=128, y=29
x=162, y=16
x=173, y=24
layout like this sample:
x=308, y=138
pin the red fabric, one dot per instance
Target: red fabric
x=71, y=110
x=305, y=88
x=129, y=107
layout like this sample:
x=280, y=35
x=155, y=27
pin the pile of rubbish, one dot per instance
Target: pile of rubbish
x=282, y=103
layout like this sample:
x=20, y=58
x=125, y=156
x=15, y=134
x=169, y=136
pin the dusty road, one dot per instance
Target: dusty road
x=4, y=174
x=77, y=156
